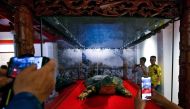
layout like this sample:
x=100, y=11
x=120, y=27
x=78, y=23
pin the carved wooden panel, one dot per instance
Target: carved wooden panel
x=144, y=8
x=28, y=3
x=24, y=31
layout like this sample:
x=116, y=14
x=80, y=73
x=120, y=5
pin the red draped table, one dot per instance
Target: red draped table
x=67, y=99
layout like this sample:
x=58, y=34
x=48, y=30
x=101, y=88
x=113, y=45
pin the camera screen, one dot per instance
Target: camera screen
x=146, y=87
x=18, y=64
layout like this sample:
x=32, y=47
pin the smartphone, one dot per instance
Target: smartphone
x=146, y=89
x=17, y=64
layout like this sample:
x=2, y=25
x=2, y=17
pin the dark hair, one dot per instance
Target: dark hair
x=153, y=57
x=143, y=58
x=4, y=67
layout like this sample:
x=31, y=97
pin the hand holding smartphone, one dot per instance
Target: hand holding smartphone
x=17, y=64
x=146, y=89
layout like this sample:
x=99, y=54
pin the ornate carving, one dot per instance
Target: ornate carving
x=24, y=31
x=28, y=3
x=144, y=8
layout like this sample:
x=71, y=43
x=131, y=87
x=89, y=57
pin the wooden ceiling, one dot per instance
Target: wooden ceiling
x=136, y=8
x=140, y=8
x=110, y=8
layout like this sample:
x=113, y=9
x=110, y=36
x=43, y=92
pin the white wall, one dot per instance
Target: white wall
x=49, y=50
x=146, y=49
x=6, y=47
x=167, y=60
x=150, y=47
x=6, y=35
x=6, y=50
x=167, y=39
x=176, y=62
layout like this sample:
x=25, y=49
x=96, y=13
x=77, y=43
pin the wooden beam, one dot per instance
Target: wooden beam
x=184, y=75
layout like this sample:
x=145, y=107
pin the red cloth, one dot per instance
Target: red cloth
x=70, y=100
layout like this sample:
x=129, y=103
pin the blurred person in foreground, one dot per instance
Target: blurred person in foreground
x=32, y=87
x=159, y=99
x=5, y=85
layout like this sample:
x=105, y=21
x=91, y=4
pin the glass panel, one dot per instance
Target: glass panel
x=87, y=46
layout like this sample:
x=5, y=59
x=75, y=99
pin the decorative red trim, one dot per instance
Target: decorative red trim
x=6, y=41
x=6, y=52
x=11, y=41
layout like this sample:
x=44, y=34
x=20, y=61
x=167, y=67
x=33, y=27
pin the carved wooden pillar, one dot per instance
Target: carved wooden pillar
x=24, y=31
x=184, y=76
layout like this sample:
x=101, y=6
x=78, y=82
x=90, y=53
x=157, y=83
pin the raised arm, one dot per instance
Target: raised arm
x=163, y=101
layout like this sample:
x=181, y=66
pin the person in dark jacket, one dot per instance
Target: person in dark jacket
x=32, y=87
